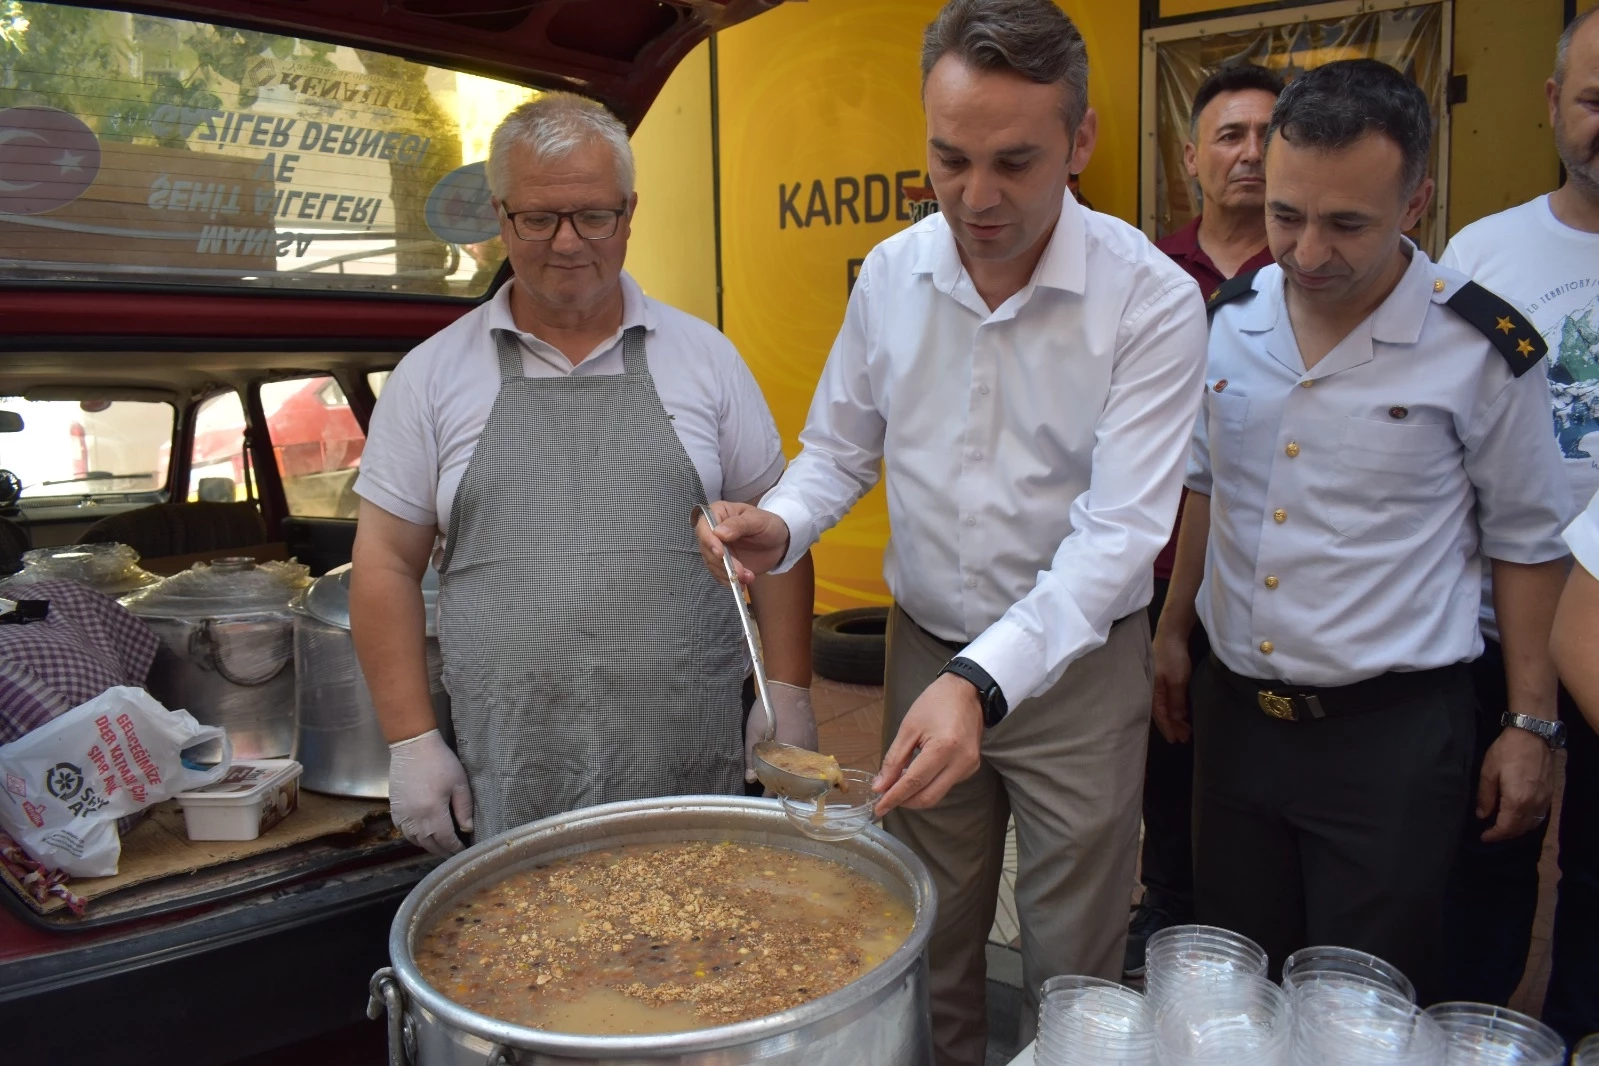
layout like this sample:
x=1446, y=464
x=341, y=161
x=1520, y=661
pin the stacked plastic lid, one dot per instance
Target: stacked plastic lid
x=1085, y=1021
x=109, y=569
x=1480, y=1035
x=221, y=588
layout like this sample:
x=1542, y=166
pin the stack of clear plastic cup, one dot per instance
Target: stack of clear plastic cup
x=1086, y=1021
x=1480, y=1035
x=1587, y=1053
x=1347, y=964
x=1236, y=1019
x=1182, y=953
x=1342, y=1021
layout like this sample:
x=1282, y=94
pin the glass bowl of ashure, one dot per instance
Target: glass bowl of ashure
x=840, y=812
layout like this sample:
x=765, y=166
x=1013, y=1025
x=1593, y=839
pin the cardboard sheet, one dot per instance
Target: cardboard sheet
x=158, y=846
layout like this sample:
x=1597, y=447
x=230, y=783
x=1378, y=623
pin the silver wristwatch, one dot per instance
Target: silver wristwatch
x=1553, y=733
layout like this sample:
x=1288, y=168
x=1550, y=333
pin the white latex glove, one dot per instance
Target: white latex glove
x=796, y=722
x=427, y=783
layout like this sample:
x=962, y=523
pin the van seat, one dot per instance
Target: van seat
x=165, y=529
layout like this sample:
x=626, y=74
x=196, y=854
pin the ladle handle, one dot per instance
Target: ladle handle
x=749, y=627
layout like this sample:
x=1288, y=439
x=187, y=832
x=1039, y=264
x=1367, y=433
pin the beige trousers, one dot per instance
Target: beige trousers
x=1068, y=764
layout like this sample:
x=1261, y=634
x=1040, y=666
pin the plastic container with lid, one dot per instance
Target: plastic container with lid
x=227, y=648
x=110, y=569
x=251, y=798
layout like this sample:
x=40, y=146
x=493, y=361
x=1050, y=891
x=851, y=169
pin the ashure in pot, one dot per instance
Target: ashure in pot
x=879, y=1019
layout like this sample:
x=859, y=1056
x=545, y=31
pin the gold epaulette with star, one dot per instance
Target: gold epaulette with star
x=1231, y=289
x=1506, y=328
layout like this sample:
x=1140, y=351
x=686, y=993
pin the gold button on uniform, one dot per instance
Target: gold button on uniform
x=1280, y=515
x=1292, y=449
x=1271, y=581
x=1307, y=383
x=1266, y=647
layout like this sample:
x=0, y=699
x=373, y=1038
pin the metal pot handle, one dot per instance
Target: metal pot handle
x=501, y=1055
x=205, y=648
x=384, y=996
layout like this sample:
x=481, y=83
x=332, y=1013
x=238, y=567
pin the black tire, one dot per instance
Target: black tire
x=850, y=646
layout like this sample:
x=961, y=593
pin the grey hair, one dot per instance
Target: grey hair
x=1033, y=38
x=1563, y=46
x=553, y=125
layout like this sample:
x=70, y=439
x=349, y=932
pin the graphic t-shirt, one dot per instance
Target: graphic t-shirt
x=1551, y=272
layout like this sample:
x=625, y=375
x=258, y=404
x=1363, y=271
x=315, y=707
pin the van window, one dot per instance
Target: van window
x=317, y=444
x=216, y=464
x=99, y=448
x=151, y=150
x=376, y=379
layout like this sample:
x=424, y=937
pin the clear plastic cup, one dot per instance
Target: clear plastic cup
x=1087, y=1021
x=1348, y=964
x=843, y=812
x=1236, y=1019
x=1341, y=1020
x=1183, y=953
x=1587, y=1053
x=1481, y=1035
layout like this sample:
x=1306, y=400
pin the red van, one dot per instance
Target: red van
x=221, y=223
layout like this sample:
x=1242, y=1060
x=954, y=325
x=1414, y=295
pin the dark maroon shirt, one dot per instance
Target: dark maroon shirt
x=1184, y=250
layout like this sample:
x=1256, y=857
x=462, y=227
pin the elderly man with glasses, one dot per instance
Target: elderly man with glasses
x=559, y=437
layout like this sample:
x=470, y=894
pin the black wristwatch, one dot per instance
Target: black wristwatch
x=993, y=700
x=1553, y=733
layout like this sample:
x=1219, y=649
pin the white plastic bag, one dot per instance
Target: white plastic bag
x=67, y=782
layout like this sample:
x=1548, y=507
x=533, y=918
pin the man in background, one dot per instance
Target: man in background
x=1543, y=256
x=1225, y=156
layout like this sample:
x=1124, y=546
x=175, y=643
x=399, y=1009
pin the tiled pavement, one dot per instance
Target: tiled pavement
x=849, y=721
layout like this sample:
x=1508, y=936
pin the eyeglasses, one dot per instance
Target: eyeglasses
x=591, y=223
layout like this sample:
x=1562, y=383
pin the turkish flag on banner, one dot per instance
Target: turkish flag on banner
x=48, y=157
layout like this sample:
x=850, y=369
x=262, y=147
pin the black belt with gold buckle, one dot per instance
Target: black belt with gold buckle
x=1296, y=703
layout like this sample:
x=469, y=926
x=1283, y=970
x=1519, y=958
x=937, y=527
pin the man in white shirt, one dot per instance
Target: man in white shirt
x=1544, y=257
x=1371, y=433
x=1026, y=371
x=560, y=436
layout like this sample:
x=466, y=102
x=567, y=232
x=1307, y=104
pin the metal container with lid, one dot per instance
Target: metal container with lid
x=341, y=743
x=109, y=568
x=227, y=649
x=879, y=1019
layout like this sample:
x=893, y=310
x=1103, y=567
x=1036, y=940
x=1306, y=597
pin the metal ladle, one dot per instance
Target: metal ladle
x=779, y=780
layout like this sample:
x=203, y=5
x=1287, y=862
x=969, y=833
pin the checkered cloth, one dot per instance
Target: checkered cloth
x=87, y=644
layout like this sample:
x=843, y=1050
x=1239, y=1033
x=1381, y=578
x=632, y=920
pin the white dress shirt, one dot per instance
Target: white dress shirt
x=1351, y=503
x=1033, y=452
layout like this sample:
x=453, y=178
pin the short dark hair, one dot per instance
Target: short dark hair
x=1232, y=78
x=1333, y=106
x=1033, y=38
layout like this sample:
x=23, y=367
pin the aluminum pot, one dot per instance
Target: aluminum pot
x=881, y=1019
x=227, y=649
x=341, y=743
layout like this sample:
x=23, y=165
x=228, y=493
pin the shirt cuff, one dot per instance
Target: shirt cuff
x=801, y=527
x=1013, y=658
x=379, y=496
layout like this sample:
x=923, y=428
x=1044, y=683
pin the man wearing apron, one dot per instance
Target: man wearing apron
x=560, y=436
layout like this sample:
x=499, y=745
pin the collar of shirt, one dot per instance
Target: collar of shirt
x=1183, y=247
x=636, y=311
x=1397, y=320
x=1063, y=266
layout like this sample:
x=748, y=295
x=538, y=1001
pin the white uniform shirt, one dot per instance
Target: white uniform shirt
x=1351, y=503
x=434, y=406
x=1582, y=536
x=1033, y=453
x=1551, y=273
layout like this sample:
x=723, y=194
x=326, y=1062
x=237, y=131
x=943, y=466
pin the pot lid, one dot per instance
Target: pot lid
x=328, y=598
x=222, y=587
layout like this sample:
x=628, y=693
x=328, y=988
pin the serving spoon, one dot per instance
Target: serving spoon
x=781, y=781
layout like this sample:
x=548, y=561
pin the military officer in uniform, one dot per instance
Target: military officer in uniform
x=1374, y=425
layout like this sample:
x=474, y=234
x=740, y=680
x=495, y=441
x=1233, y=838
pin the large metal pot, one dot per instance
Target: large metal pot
x=879, y=1020
x=227, y=649
x=341, y=743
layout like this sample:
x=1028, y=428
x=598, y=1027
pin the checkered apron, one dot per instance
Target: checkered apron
x=588, y=654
